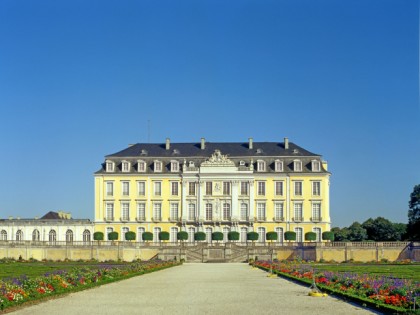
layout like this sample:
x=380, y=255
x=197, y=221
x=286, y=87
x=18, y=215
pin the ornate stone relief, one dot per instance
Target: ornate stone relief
x=218, y=159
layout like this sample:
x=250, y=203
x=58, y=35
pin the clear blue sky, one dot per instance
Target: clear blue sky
x=80, y=79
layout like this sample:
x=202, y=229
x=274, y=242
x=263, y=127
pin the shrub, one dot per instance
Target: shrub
x=328, y=236
x=163, y=236
x=147, y=236
x=252, y=236
x=98, y=236
x=310, y=236
x=130, y=236
x=290, y=236
x=233, y=236
x=271, y=236
x=200, y=236
x=113, y=236
x=182, y=235
x=217, y=236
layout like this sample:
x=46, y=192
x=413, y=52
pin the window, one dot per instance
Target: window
x=278, y=166
x=174, y=166
x=261, y=211
x=297, y=166
x=109, y=166
x=140, y=232
x=123, y=231
x=86, y=236
x=52, y=236
x=141, y=211
x=316, y=212
x=109, y=212
x=209, y=188
x=125, y=211
x=125, y=188
x=174, y=188
x=141, y=187
x=316, y=188
x=209, y=232
x=191, y=212
x=3, y=235
x=156, y=232
x=109, y=188
x=36, y=235
x=261, y=234
x=209, y=212
x=278, y=211
x=280, y=235
x=109, y=230
x=226, y=188
x=125, y=166
x=141, y=166
x=298, y=188
x=261, y=189
x=261, y=166
x=299, y=234
x=158, y=166
x=157, y=188
x=69, y=236
x=174, y=211
x=316, y=166
x=226, y=211
x=191, y=188
x=19, y=235
x=317, y=231
x=298, y=211
x=278, y=188
x=244, y=212
x=226, y=231
x=157, y=211
x=244, y=188
x=191, y=232
x=244, y=233
x=173, y=236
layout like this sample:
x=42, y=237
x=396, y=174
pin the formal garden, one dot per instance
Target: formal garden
x=389, y=288
x=26, y=282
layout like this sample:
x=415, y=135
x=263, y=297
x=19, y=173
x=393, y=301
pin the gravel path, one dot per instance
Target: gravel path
x=197, y=289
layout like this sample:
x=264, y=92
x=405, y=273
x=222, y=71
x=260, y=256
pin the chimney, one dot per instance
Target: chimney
x=168, y=144
x=251, y=141
x=286, y=143
x=203, y=143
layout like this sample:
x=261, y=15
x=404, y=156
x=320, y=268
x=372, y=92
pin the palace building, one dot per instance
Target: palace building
x=209, y=187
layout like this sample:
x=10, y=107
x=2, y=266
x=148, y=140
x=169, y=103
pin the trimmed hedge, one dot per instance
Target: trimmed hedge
x=290, y=236
x=328, y=236
x=271, y=236
x=113, y=236
x=98, y=236
x=217, y=236
x=130, y=236
x=233, y=236
x=310, y=236
x=252, y=236
x=147, y=236
x=199, y=236
x=163, y=236
x=182, y=235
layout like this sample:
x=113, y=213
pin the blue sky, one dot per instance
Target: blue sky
x=80, y=80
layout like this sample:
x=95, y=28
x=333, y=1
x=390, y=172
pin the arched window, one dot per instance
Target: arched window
x=19, y=235
x=86, y=236
x=69, y=236
x=35, y=235
x=3, y=235
x=52, y=236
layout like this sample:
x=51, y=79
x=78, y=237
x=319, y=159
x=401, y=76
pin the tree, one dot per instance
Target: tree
x=130, y=236
x=341, y=235
x=252, y=236
x=147, y=236
x=233, y=236
x=113, y=236
x=290, y=236
x=163, y=236
x=182, y=235
x=413, y=227
x=271, y=236
x=310, y=236
x=98, y=236
x=217, y=236
x=401, y=231
x=380, y=230
x=200, y=236
x=328, y=236
x=356, y=232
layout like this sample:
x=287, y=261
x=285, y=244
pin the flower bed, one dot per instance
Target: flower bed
x=387, y=293
x=16, y=291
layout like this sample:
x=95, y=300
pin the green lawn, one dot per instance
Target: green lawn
x=34, y=269
x=399, y=271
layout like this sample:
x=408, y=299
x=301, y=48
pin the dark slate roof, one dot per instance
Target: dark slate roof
x=231, y=149
x=52, y=216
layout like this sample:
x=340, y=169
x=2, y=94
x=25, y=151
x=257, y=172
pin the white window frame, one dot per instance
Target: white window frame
x=297, y=166
x=192, y=188
x=318, y=232
x=110, y=166
x=124, y=230
x=278, y=166
x=298, y=211
x=278, y=188
x=316, y=211
x=174, y=188
x=109, y=188
x=157, y=211
x=174, y=166
x=227, y=211
x=280, y=234
x=316, y=191
x=261, y=188
x=261, y=234
x=125, y=166
x=244, y=188
x=261, y=211
x=279, y=211
x=174, y=211
x=209, y=211
x=140, y=231
x=244, y=214
x=157, y=188
x=109, y=211
x=141, y=188
x=261, y=166
x=141, y=166
x=316, y=166
x=191, y=232
x=125, y=188
x=141, y=211
x=299, y=234
x=209, y=188
x=298, y=188
x=157, y=166
x=225, y=232
x=227, y=188
x=209, y=232
x=173, y=236
x=107, y=231
x=192, y=209
x=156, y=231
x=125, y=211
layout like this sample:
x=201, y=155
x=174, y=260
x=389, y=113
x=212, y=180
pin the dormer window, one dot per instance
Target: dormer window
x=316, y=166
x=125, y=166
x=278, y=166
x=242, y=163
x=143, y=152
x=297, y=166
x=141, y=166
x=261, y=166
x=158, y=166
x=191, y=164
x=174, y=166
x=109, y=166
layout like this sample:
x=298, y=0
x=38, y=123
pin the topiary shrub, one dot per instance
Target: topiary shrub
x=252, y=236
x=217, y=236
x=147, y=236
x=199, y=236
x=113, y=236
x=130, y=236
x=310, y=236
x=290, y=236
x=163, y=236
x=271, y=236
x=233, y=236
x=328, y=236
x=98, y=236
x=182, y=235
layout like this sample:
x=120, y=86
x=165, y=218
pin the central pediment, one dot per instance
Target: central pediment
x=218, y=159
